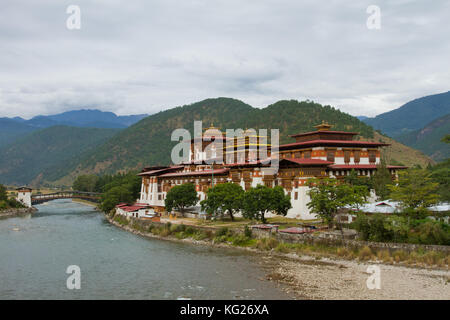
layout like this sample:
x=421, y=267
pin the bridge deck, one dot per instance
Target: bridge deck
x=40, y=198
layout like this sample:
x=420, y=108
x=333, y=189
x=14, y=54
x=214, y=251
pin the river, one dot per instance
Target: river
x=36, y=250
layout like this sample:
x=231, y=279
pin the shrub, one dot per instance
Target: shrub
x=384, y=255
x=200, y=235
x=400, y=255
x=240, y=240
x=181, y=228
x=165, y=232
x=432, y=232
x=189, y=231
x=266, y=243
x=173, y=228
x=220, y=239
x=3, y=205
x=180, y=235
x=222, y=232
x=282, y=247
x=343, y=252
x=365, y=253
x=247, y=232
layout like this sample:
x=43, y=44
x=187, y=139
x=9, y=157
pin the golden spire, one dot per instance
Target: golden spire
x=324, y=126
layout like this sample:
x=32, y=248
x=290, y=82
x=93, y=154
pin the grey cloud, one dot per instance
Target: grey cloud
x=145, y=56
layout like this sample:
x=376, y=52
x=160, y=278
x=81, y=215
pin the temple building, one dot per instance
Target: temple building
x=320, y=153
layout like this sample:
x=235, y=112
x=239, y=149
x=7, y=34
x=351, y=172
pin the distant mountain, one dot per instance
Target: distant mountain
x=10, y=129
x=86, y=118
x=37, y=155
x=148, y=141
x=428, y=139
x=412, y=116
x=14, y=128
x=362, y=118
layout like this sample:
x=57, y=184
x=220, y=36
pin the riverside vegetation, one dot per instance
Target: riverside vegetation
x=8, y=202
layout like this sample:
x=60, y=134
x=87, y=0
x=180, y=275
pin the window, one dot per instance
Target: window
x=372, y=156
x=330, y=156
x=307, y=155
x=296, y=195
x=297, y=155
x=347, y=156
x=357, y=155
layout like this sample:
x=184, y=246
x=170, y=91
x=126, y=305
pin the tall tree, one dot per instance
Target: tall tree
x=224, y=198
x=380, y=181
x=415, y=189
x=3, y=193
x=85, y=183
x=329, y=195
x=259, y=201
x=180, y=197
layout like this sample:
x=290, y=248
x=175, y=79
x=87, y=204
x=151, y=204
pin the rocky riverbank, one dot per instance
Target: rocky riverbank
x=314, y=277
x=16, y=212
x=331, y=279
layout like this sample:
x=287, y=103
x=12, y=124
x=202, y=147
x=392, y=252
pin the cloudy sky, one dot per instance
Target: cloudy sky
x=145, y=56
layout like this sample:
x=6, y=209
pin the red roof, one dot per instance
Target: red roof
x=195, y=173
x=154, y=172
x=333, y=142
x=249, y=163
x=322, y=131
x=296, y=230
x=362, y=166
x=307, y=161
x=121, y=205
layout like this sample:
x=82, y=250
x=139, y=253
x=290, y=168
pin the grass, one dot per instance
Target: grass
x=121, y=220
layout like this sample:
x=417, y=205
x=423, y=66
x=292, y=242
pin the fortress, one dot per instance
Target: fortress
x=315, y=154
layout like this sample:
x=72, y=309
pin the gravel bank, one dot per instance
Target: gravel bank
x=307, y=278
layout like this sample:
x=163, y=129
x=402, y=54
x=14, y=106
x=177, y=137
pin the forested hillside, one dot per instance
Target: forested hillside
x=39, y=155
x=428, y=139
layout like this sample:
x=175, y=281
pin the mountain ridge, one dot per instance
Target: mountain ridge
x=411, y=116
x=15, y=128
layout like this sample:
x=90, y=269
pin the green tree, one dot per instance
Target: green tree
x=222, y=199
x=442, y=177
x=446, y=138
x=114, y=196
x=414, y=189
x=354, y=180
x=180, y=197
x=328, y=195
x=85, y=183
x=380, y=181
x=258, y=201
x=123, y=187
x=3, y=193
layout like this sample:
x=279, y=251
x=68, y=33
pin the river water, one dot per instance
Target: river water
x=35, y=252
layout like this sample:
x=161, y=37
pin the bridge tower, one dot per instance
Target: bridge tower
x=24, y=195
